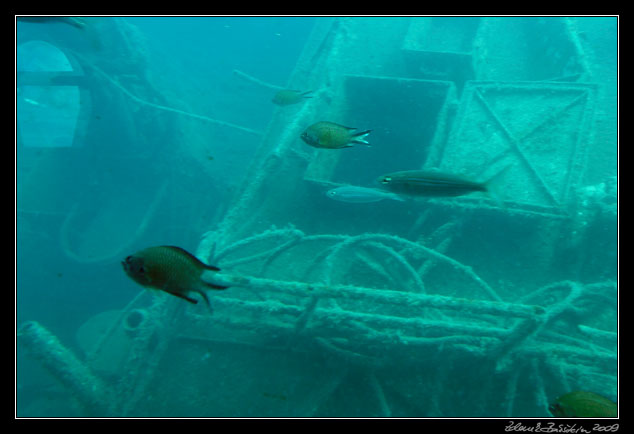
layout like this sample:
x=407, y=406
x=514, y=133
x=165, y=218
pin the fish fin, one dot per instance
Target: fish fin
x=184, y=297
x=186, y=253
x=204, y=296
x=397, y=197
x=492, y=186
x=360, y=137
x=189, y=255
x=213, y=286
x=341, y=126
x=208, y=281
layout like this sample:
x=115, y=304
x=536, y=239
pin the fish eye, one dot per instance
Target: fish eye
x=386, y=180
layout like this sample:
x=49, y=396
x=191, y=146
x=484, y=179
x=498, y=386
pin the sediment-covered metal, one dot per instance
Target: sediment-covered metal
x=89, y=390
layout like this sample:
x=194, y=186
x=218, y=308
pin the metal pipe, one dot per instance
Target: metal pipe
x=87, y=388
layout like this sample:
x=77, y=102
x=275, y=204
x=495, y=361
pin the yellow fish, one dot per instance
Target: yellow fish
x=170, y=269
x=288, y=97
x=333, y=136
x=583, y=404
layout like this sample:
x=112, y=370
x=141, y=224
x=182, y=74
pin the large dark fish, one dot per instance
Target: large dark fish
x=333, y=136
x=583, y=404
x=433, y=183
x=170, y=269
x=288, y=97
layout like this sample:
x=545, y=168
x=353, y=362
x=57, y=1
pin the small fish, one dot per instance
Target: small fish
x=32, y=101
x=435, y=183
x=333, y=136
x=583, y=404
x=170, y=269
x=289, y=97
x=353, y=194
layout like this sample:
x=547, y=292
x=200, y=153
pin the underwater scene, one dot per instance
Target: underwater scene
x=373, y=217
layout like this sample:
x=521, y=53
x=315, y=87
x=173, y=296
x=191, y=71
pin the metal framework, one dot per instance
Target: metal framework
x=542, y=338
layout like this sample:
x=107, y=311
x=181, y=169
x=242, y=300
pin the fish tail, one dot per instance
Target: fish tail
x=360, y=137
x=213, y=285
x=208, y=281
x=493, y=186
x=305, y=94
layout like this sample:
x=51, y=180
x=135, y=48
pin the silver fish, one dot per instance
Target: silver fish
x=354, y=194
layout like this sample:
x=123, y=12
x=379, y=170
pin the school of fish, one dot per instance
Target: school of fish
x=177, y=272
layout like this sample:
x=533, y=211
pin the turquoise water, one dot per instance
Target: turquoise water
x=142, y=131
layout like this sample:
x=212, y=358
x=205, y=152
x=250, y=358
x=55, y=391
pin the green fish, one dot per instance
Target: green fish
x=333, y=136
x=433, y=183
x=583, y=404
x=289, y=97
x=170, y=269
x=429, y=183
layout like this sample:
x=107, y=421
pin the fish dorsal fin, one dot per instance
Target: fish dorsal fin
x=189, y=255
x=348, y=128
x=342, y=126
